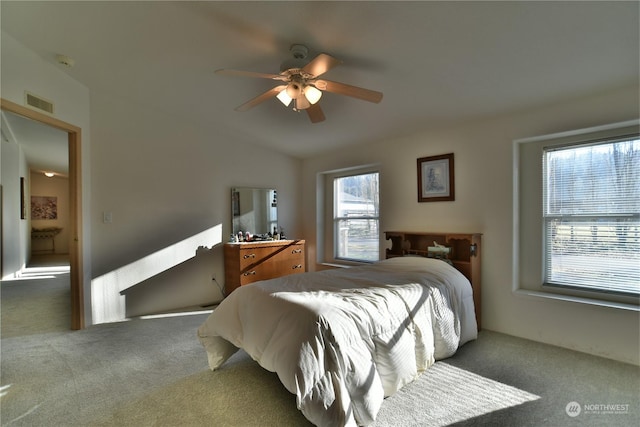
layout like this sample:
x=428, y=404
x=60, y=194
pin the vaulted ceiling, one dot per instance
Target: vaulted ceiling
x=437, y=63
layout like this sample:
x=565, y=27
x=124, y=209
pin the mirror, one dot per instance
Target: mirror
x=254, y=210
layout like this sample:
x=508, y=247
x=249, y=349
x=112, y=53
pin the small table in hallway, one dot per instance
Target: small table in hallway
x=44, y=234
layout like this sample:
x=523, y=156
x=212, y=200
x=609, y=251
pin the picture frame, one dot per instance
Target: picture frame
x=23, y=202
x=44, y=207
x=436, y=178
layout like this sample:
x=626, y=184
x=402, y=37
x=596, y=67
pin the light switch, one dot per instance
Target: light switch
x=106, y=217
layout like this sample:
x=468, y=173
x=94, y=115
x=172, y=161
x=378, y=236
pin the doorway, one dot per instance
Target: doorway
x=76, y=273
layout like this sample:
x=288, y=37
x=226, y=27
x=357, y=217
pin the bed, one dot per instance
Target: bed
x=342, y=340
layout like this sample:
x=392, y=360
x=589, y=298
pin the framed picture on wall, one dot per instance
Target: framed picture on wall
x=44, y=207
x=436, y=178
x=23, y=202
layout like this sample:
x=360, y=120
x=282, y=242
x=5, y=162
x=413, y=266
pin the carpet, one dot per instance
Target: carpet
x=39, y=302
x=243, y=394
x=445, y=395
x=153, y=372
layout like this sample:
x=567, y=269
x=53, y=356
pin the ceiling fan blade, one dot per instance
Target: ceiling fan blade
x=348, y=90
x=315, y=113
x=260, y=98
x=240, y=73
x=321, y=64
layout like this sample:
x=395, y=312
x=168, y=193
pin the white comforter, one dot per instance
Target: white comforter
x=342, y=340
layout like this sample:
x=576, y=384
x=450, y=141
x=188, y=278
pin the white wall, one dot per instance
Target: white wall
x=22, y=70
x=483, y=184
x=15, y=230
x=165, y=179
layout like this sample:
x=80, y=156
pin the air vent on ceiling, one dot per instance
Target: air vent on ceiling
x=39, y=103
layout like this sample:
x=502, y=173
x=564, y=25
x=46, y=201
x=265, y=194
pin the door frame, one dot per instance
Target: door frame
x=75, y=204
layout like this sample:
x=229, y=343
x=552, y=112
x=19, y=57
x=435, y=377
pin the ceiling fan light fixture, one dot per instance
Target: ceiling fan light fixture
x=284, y=97
x=299, y=84
x=302, y=103
x=312, y=94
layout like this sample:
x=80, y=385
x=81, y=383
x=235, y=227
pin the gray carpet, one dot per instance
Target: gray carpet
x=153, y=372
x=445, y=395
x=45, y=295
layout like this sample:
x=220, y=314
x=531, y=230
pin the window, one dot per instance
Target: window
x=591, y=210
x=356, y=217
x=577, y=215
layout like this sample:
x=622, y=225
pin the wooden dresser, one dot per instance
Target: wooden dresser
x=249, y=262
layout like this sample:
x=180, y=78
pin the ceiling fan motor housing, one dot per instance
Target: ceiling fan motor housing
x=299, y=53
x=294, y=88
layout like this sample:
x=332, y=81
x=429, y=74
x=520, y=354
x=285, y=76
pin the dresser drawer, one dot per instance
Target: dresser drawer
x=272, y=262
x=259, y=255
x=250, y=262
x=269, y=271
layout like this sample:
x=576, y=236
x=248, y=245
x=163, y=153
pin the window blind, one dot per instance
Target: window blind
x=591, y=210
x=356, y=217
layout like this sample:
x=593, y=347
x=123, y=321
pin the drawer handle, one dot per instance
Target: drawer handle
x=297, y=266
x=296, y=251
x=250, y=273
x=249, y=256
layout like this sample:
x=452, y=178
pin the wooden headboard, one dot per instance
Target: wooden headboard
x=465, y=254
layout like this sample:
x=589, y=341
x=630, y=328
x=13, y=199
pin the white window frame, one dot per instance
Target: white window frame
x=326, y=232
x=582, y=247
x=337, y=219
x=529, y=225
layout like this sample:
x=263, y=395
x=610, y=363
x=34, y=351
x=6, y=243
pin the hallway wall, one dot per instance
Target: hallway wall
x=58, y=187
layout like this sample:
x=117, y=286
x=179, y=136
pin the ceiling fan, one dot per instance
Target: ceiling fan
x=301, y=84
